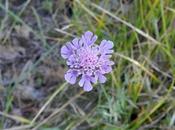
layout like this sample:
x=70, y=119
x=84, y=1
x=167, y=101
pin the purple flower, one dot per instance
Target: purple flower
x=87, y=61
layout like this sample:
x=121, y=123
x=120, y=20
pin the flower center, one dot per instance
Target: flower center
x=86, y=60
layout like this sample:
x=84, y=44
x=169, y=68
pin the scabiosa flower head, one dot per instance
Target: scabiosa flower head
x=87, y=61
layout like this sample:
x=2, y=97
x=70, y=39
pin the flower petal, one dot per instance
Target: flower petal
x=109, y=62
x=81, y=82
x=101, y=78
x=66, y=50
x=71, y=60
x=94, y=80
x=106, y=69
x=87, y=86
x=89, y=38
x=87, y=78
x=106, y=46
x=75, y=43
x=71, y=76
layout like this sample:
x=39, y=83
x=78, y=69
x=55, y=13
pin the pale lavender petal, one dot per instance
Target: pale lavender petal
x=81, y=82
x=94, y=38
x=66, y=51
x=71, y=76
x=75, y=43
x=101, y=78
x=106, y=69
x=93, y=79
x=105, y=57
x=109, y=62
x=81, y=42
x=71, y=60
x=89, y=38
x=87, y=86
x=109, y=51
x=106, y=46
x=87, y=78
x=88, y=35
x=110, y=44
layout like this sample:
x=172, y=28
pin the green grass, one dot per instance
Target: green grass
x=139, y=93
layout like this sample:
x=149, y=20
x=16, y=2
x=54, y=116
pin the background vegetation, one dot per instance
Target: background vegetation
x=139, y=93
